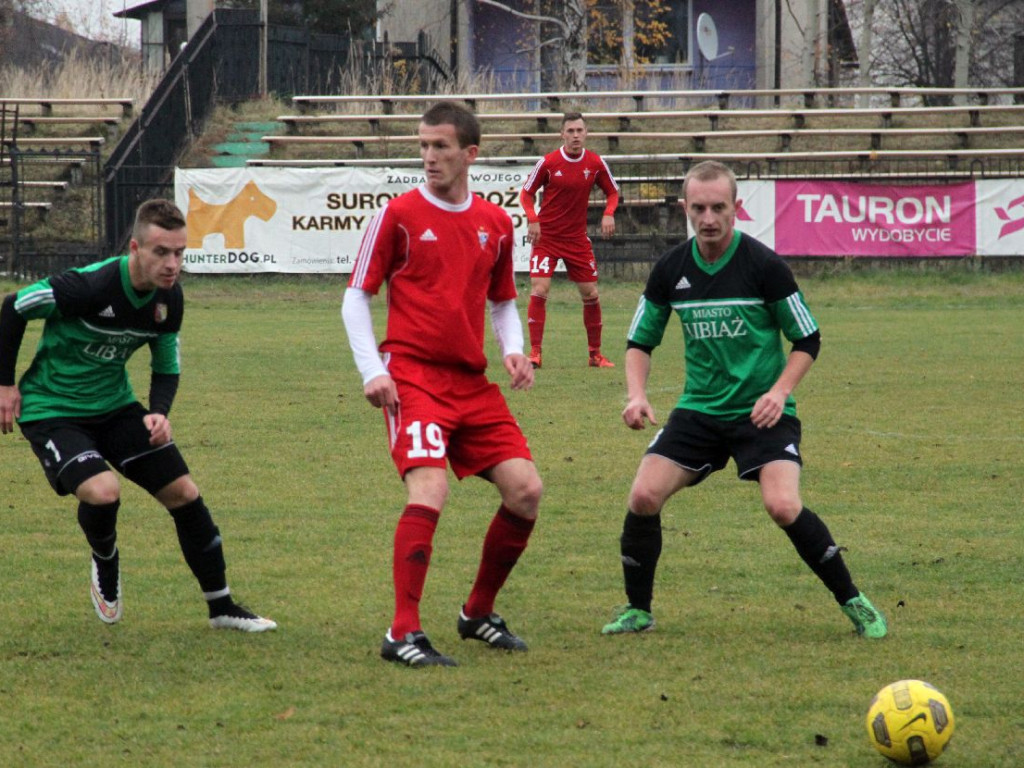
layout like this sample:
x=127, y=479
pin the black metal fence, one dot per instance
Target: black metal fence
x=300, y=61
x=220, y=63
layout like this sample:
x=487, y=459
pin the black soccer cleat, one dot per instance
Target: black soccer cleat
x=414, y=650
x=492, y=630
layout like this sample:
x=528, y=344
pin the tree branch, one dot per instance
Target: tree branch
x=529, y=16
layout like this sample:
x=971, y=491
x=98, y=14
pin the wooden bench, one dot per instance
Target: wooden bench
x=46, y=105
x=528, y=140
x=860, y=160
x=697, y=139
x=798, y=118
x=93, y=142
x=41, y=207
x=54, y=186
x=962, y=134
x=813, y=97
x=33, y=121
x=724, y=98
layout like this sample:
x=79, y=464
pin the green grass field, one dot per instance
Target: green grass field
x=914, y=442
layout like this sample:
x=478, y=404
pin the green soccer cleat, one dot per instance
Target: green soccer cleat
x=629, y=619
x=868, y=620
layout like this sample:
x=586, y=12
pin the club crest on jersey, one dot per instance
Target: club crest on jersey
x=160, y=312
x=483, y=237
x=586, y=174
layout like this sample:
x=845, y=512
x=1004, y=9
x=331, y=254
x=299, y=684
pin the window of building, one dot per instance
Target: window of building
x=658, y=29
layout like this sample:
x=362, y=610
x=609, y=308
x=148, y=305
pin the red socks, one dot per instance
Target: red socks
x=592, y=322
x=414, y=536
x=536, y=315
x=504, y=543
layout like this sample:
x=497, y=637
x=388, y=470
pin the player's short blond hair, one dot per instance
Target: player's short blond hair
x=709, y=170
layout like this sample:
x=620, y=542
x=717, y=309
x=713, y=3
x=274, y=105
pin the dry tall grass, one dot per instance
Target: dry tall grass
x=79, y=76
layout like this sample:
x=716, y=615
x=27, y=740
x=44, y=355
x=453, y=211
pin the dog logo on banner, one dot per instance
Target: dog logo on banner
x=227, y=218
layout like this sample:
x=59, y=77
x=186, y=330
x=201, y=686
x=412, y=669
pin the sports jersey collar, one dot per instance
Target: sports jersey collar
x=137, y=300
x=720, y=262
x=444, y=206
x=569, y=158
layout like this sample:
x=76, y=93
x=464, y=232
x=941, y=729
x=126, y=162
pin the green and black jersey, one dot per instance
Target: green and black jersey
x=732, y=313
x=95, y=321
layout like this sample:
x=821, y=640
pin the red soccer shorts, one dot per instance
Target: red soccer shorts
x=578, y=258
x=449, y=415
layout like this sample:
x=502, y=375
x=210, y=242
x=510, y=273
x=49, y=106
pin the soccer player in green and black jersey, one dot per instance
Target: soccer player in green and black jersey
x=735, y=297
x=76, y=407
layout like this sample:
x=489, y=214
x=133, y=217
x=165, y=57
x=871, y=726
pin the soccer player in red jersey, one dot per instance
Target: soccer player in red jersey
x=559, y=231
x=446, y=255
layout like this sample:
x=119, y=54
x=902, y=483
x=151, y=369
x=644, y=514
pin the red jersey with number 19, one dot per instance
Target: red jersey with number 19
x=442, y=262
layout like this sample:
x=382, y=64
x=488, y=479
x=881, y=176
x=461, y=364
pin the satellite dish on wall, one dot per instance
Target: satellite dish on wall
x=707, y=36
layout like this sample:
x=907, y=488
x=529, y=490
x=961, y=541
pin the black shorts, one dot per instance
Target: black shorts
x=72, y=450
x=704, y=444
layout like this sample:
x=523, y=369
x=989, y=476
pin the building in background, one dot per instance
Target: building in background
x=759, y=43
x=164, y=30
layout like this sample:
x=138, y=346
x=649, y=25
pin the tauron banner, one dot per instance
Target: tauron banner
x=838, y=218
x=279, y=219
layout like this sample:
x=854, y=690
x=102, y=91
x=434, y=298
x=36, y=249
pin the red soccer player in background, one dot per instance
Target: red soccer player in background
x=559, y=231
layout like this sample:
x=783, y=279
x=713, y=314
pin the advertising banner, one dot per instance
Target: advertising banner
x=1000, y=217
x=755, y=210
x=279, y=219
x=838, y=218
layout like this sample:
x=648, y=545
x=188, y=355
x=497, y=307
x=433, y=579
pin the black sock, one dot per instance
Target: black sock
x=218, y=606
x=815, y=545
x=201, y=545
x=99, y=524
x=641, y=547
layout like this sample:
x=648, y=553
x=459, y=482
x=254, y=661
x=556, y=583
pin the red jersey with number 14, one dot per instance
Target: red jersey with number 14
x=442, y=262
x=567, y=182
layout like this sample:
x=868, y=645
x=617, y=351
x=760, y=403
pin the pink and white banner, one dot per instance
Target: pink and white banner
x=1000, y=217
x=838, y=218
x=312, y=220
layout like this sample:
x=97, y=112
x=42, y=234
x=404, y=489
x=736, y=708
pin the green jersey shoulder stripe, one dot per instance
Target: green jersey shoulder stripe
x=798, y=309
x=34, y=297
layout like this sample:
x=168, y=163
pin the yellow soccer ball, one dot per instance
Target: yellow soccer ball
x=910, y=722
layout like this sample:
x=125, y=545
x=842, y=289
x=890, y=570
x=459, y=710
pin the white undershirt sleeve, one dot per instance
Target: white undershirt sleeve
x=355, y=313
x=508, y=328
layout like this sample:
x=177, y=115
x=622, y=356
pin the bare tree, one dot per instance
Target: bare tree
x=940, y=43
x=867, y=28
x=569, y=32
